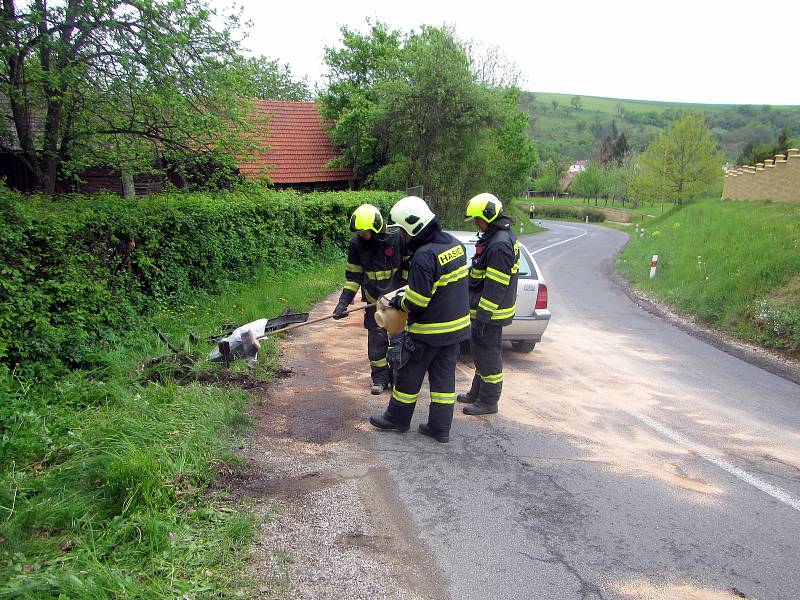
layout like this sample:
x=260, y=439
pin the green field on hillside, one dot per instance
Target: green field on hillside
x=561, y=130
x=609, y=105
x=735, y=265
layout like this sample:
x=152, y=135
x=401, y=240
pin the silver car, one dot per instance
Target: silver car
x=533, y=313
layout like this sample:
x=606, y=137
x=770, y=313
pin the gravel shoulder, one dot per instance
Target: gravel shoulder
x=329, y=522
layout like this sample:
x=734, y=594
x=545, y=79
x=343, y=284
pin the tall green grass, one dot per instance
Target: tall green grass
x=107, y=488
x=733, y=264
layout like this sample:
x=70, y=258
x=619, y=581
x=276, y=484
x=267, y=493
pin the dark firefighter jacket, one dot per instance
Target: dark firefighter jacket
x=377, y=266
x=493, y=274
x=436, y=299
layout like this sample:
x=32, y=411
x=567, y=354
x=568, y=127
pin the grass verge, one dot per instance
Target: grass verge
x=735, y=265
x=107, y=487
x=522, y=221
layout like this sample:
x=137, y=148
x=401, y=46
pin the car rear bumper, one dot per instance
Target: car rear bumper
x=529, y=329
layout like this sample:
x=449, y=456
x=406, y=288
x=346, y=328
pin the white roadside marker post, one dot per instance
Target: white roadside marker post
x=653, y=266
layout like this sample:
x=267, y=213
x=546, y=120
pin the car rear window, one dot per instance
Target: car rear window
x=524, y=266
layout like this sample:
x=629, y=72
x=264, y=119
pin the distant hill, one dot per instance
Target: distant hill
x=559, y=129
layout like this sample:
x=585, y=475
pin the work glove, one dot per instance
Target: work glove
x=341, y=310
x=395, y=301
x=401, y=347
x=394, y=353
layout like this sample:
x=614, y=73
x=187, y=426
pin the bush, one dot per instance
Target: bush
x=76, y=271
x=570, y=212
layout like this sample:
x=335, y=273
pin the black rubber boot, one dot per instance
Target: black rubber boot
x=473, y=393
x=439, y=437
x=479, y=408
x=440, y=419
x=377, y=388
x=386, y=424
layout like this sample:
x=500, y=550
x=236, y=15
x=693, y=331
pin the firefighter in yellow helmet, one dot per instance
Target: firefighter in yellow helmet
x=492, y=299
x=374, y=264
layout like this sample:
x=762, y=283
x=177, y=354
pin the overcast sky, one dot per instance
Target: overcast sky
x=712, y=51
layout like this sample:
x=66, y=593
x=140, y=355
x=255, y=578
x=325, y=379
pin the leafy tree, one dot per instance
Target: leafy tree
x=604, y=152
x=682, y=162
x=408, y=110
x=591, y=183
x=351, y=99
x=555, y=105
x=620, y=149
x=576, y=102
x=491, y=67
x=754, y=153
x=619, y=178
x=271, y=80
x=117, y=81
x=550, y=175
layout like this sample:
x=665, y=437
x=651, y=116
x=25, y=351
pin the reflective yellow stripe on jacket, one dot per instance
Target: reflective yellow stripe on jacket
x=498, y=276
x=497, y=315
x=447, y=278
x=432, y=328
x=353, y=268
x=416, y=298
x=379, y=275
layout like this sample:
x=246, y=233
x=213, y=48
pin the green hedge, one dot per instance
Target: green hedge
x=570, y=212
x=75, y=271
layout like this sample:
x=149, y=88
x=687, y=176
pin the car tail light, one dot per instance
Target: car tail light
x=541, y=297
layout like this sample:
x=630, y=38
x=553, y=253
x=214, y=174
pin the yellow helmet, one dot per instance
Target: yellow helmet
x=485, y=206
x=366, y=218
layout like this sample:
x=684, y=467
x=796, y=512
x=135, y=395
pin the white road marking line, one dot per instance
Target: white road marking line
x=561, y=242
x=702, y=451
x=723, y=464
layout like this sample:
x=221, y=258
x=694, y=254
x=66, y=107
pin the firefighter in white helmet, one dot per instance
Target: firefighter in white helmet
x=436, y=301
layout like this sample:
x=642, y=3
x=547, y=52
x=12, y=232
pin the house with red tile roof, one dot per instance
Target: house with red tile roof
x=576, y=167
x=296, y=149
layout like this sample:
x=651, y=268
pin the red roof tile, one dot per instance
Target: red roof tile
x=298, y=148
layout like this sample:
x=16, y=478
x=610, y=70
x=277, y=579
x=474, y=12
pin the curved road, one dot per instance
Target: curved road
x=628, y=459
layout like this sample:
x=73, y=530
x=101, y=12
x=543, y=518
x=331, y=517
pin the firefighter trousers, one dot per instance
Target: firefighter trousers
x=439, y=362
x=487, y=383
x=377, y=345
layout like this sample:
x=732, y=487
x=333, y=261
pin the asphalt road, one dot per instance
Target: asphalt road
x=628, y=459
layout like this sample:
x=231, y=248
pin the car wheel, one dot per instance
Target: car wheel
x=522, y=346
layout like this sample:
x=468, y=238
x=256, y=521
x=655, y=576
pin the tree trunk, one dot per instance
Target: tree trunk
x=128, y=188
x=51, y=176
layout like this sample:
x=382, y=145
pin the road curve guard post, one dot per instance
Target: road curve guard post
x=653, y=266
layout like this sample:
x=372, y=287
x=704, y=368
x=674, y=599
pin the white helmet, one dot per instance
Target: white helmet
x=412, y=214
